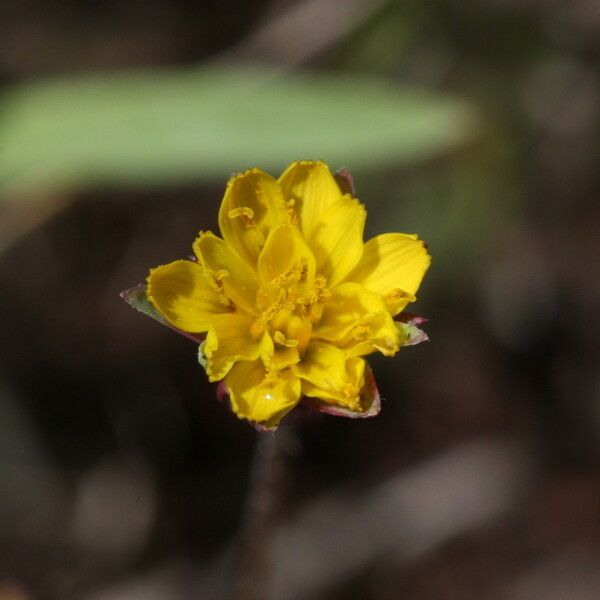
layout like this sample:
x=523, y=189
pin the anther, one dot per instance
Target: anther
x=245, y=212
x=360, y=332
x=290, y=210
x=282, y=341
x=398, y=294
x=216, y=282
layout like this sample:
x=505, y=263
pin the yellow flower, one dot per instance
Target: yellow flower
x=290, y=298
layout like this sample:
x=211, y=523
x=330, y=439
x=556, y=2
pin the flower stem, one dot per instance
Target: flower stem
x=262, y=504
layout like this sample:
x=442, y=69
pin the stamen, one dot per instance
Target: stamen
x=290, y=209
x=216, y=282
x=396, y=294
x=296, y=274
x=245, y=212
x=257, y=329
x=361, y=332
x=282, y=341
x=311, y=304
x=260, y=325
x=303, y=272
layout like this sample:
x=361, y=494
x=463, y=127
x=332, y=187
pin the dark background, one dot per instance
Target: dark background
x=122, y=476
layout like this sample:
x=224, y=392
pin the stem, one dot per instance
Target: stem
x=266, y=475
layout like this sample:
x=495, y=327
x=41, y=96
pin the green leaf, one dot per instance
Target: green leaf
x=164, y=127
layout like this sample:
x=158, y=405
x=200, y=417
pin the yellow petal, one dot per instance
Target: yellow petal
x=229, y=340
x=259, y=396
x=377, y=333
x=182, y=293
x=280, y=353
x=327, y=374
x=252, y=204
x=393, y=265
x=369, y=403
x=312, y=187
x=285, y=256
x=357, y=320
x=337, y=239
x=347, y=305
x=239, y=280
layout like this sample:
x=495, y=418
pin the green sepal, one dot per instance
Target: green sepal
x=201, y=356
x=137, y=298
x=411, y=334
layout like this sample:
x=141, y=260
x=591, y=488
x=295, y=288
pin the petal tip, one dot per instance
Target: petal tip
x=240, y=175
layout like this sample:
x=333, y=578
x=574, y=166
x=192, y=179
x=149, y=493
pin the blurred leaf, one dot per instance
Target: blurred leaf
x=150, y=128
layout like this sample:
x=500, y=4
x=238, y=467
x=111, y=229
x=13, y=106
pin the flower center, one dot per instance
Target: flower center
x=290, y=304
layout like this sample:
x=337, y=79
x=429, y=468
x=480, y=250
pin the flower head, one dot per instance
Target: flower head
x=290, y=298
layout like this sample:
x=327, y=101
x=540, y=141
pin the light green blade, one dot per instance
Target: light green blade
x=149, y=128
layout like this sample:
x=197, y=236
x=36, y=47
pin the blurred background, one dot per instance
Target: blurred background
x=473, y=123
